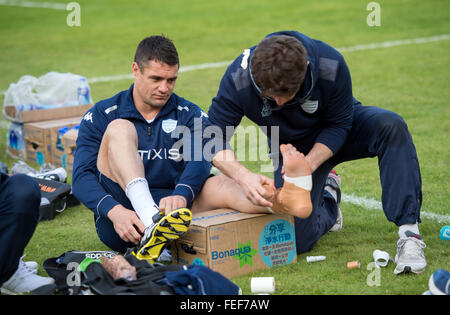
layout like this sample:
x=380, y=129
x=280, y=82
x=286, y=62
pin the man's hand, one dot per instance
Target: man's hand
x=318, y=154
x=170, y=203
x=127, y=224
x=252, y=184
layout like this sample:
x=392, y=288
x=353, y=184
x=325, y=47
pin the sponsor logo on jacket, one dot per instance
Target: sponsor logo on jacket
x=161, y=154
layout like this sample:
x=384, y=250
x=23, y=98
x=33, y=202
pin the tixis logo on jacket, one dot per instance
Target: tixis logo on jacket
x=161, y=154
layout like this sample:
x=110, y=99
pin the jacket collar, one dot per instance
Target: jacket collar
x=127, y=108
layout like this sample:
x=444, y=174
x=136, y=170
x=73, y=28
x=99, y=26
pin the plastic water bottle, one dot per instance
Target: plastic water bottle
x=61, y=132
x=83, y=92
x=12, y=139
x=20, y=137
x=16, y=137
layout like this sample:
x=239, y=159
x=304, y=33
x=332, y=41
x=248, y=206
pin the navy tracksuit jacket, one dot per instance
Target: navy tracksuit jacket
x=327, y=113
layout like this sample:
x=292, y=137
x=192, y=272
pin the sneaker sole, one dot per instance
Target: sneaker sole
x=7, y=292
x=169, y=228
x=408, y=268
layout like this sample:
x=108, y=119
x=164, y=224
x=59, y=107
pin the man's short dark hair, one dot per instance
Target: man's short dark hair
x=158, y=48
x=279, y=65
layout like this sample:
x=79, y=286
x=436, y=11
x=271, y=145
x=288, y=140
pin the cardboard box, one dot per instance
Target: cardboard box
x=45, y=114
x=41, y=138
x=14, y=153
x=70, y=140
x=65, y=158
x=235, y=243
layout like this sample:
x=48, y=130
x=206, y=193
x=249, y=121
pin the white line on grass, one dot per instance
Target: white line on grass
x=32, y=4
x=373, y=204
x=211, y=65
x=393, y=43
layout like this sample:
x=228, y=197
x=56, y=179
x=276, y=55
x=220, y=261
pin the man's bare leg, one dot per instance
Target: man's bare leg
x=119, y=160
x=222, y=192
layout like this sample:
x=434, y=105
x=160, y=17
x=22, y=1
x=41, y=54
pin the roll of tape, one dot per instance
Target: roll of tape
x=315, y=258
x=353, y=264
x=262, y=285
x=380, y=258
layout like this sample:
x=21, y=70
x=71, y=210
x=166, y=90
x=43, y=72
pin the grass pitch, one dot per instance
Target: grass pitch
x=411, y=80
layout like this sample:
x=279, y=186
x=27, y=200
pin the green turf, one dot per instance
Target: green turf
x=411, y=80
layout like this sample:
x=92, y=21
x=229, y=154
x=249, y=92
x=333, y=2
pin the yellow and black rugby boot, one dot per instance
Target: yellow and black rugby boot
x=165, y=229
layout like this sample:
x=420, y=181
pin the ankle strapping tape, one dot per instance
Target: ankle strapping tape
x=304, y=182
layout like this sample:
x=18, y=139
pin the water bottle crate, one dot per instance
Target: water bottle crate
x=41, y=139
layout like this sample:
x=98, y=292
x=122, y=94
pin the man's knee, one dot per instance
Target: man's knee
x=392, y=128
x=24, y=195
x=121, y=129
x=117, y=135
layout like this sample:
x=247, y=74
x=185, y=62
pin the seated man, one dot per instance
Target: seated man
x=125, y=149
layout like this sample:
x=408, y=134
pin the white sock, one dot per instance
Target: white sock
x=408, y=227
x=139, y=194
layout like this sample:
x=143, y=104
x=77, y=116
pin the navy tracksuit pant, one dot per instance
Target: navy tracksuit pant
x=104, y=226
x=375, y=132
x=20, y=198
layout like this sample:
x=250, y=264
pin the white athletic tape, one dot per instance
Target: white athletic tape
x=304, y=182
x=262, y=285
x=315, y=258
x=380, y=258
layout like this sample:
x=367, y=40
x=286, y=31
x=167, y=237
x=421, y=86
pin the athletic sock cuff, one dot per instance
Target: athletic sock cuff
x=134, y=182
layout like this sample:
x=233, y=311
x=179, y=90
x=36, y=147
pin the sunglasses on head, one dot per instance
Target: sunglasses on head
x=296, y=101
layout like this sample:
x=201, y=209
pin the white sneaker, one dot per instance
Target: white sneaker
x=31, y=265
x=410, y=256
x=339, y=222
x=333, y=186
x=24, y=280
